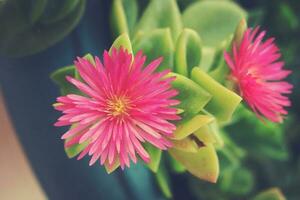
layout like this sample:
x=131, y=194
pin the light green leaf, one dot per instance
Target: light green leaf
x=188, y=127
x=111, y=168
x=123, y=16
x=155, y=44
x=187, y=52
x=122, y=41
x=270, y=194
x=185, y=144
x=59, y=77
x=192, y=97
x=204, y=164
x=175, y=165
x=213, y=20
x=223, y=102
x=161, y=14
x=155, y=157
x=162, y=179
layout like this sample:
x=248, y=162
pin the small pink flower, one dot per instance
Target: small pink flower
x=259, y=75
x=123, y=104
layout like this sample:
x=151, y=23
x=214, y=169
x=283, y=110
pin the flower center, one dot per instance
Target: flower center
x=118, y=106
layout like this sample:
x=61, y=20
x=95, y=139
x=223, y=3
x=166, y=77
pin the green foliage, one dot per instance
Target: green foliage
x=35, y=26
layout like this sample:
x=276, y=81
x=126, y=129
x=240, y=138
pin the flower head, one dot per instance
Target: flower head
x=258, y=73
x=123, y=104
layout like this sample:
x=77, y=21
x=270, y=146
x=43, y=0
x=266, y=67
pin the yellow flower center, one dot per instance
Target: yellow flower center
x=118, y=106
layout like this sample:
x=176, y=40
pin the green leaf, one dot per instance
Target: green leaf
x=59, y=77
x=187, y=127
x=188, y=52
x=238, y=181
x=270, y=194
x=204, y=164
x=161, y=14
x=213, y=20
x=175, y=165
x=57, y=10
x=75, y=149
x=272, y=135
x=155, y=44
x=192, y=97
x=123, y=16
x=109, y=169
x=185, y=144
x=155, y=156
x=223, y=102
x=122, y=41
x=17, y=39
x=163, y=182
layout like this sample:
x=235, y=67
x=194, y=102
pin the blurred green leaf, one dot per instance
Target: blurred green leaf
x=163, y=181
x=155, y=44
x=187, y=52
x=270, y=194
x=213, y=20
x=203, y=164
x=161, y=14
x=122, y=41
x=123, y=16
x=223, y=102
x=18, y=37
x=155, y=155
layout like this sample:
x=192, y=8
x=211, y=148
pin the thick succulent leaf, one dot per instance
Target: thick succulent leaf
x=204, y=164
x=270, y=194
x=223, y=102
x=213, y=20
x=123, y=16
x=57, y=10
x=122, y=41
x=175, y=165
x=192, y=97
x=185, y=144
x=75, y=149
x=205, y=135
x=18, y=39
x=239, y=31
x=36, y=9
x=187, y=52
x=109, y=169
x=155, y=157
x=187, y=127
x=161, y=14
x=155, y=44
x=59, y=77
x=255, y=131
x=163, y=182
x=238, y=181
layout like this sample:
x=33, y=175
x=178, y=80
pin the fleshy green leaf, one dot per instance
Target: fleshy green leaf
x=57, y=10
x=109, y=169
x=17, y=39
x=213, y=20
x=75, y=149
x=185, y=144
x=188, y=127
x=238, y=181
x=176, y=166
x=155, y=44
x=223, y=102
x=161, y=14
x=59, y=77
x=192, y=97
x=155, y=156
x=270, y=194
x=188, y=52
x=162, y=179
x=204, y=164
x=122, y=41
x=123, y=16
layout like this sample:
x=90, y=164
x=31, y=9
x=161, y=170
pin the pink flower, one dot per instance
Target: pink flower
x=258, y=73
x=123, y=104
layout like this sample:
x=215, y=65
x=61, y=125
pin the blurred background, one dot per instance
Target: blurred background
x=39, y=36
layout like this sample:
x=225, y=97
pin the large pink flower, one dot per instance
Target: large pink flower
x=123, y=104
x=258, y=73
